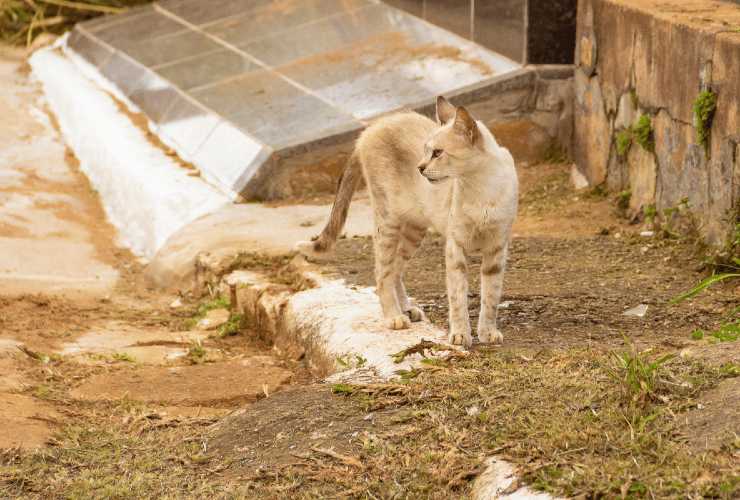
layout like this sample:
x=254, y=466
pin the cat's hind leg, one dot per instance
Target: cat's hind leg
x=410, y=240
x=385, y=244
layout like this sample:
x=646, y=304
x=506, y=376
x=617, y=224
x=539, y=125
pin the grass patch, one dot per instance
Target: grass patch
x=729, y=332
x=122, y=356
x=624, y=142
x=643, y=133
x=569, y=421
x=196, y=352
x=232, y=327
x=23, y=20
x=637, y=375
x=623, y=199
x=580, y=422
x=704, y=107
x=203, y=309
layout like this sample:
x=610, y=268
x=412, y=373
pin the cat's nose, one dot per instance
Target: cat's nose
x=422, y=167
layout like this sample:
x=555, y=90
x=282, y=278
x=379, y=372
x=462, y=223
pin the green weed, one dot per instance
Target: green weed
x=704, y=107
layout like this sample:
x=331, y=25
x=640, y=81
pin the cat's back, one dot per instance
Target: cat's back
x=397, y=138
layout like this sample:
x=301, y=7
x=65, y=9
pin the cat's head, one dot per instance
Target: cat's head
x=455, y=148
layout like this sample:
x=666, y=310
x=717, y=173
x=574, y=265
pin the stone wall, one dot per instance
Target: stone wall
x=641, y=65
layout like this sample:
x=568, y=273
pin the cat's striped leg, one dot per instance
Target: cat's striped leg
x=411, y=237
x=385, y=243
x=457, y=293
x=491, y=284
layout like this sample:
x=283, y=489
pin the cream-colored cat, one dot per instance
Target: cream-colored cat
x=451, y=175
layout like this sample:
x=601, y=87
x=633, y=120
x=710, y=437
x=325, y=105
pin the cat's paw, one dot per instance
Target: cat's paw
x=400, y=322
x=462, y=338
x=308, y=249
x=415, y=314
x=490, y=335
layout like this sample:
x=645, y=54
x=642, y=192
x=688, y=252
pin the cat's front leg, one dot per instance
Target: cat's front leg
x=491, y=283
x=457, y=294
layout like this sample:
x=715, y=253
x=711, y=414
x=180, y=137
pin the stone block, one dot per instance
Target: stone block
x=722, y=168
x=593, y=130
x=726, y=83
x=642, y=173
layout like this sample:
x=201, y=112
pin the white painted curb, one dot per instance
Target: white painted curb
x=146, y=194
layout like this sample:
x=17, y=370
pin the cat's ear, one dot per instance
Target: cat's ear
x=465, y=125
x=445, y=110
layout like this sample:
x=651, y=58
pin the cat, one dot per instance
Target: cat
x=450, y=175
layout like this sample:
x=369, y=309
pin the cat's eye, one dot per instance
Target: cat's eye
x=436, y=153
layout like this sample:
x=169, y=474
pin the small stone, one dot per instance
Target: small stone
x=577, y=179
x=214, y=319
x=505, y=304
x=638, y=311
x=369, y=416
x=472, y=411
x=647, y=234
x=176, y=303
x=644, y=249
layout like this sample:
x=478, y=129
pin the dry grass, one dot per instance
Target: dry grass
x=23, y=20
x=577, y=423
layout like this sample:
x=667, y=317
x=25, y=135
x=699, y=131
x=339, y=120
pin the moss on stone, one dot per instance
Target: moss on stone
x=643, y=133
x=704, y=108
x=624, y=141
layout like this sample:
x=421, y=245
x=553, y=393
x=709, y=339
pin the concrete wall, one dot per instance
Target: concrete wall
x=653, y=58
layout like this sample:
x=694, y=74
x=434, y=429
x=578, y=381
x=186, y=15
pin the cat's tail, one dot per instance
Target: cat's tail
x=322, y=245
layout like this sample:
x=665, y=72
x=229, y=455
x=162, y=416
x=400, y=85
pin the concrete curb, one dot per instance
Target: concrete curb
x=337, y=330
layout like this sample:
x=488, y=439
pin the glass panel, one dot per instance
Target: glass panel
x=102, y=22
x=408, y=64
x=136, y=29
x=499, y=26
x=415, y=7
x=270, y=108
x=188, y=126
x=201, y=12
x=328, y=35
x=230, y=158
x=551, y=30
x=452, y=15
x=90, y=49
x=293, y=121
x=154, y=96
x=124, y=72
x=171, y=48
x=271, y=20
x=206, y=69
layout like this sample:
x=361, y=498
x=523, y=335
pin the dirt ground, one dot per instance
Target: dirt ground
x=571, y=277
x=574, y=268
x=120, y=394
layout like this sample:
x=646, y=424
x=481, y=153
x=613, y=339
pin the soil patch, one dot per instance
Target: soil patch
x=213, y=384
x=27, y=422
x=287, y=428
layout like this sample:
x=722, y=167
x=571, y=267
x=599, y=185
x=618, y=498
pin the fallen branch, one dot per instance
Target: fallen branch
x=420, y=348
